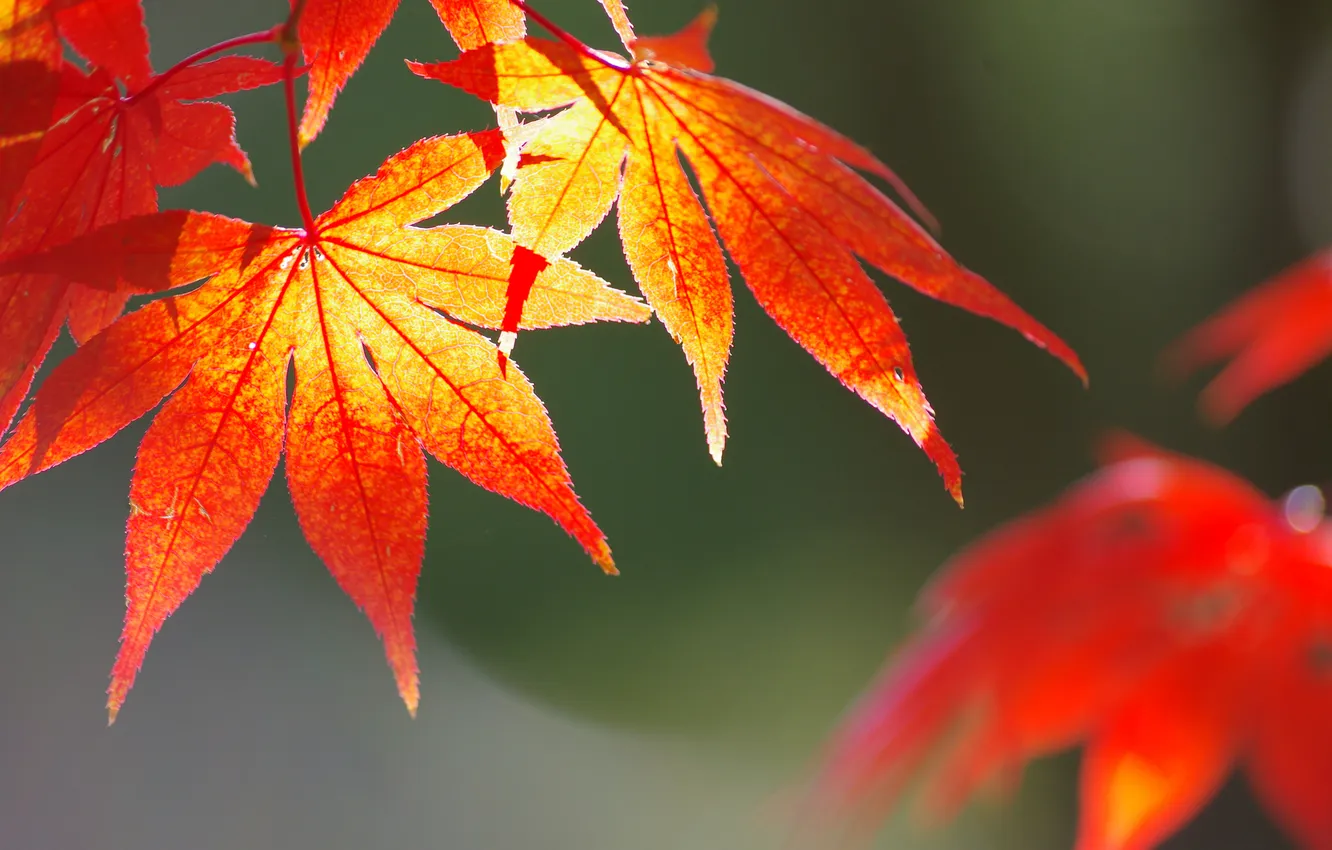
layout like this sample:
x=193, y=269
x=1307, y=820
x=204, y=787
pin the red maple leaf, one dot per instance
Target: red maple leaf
x=1273, y=333
x=379, y=375
x=336, y=36
x=116, y=133
x=779, y=187
x=1163, y=612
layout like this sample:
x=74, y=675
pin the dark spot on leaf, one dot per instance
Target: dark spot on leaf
x=1133, y=524
x=1320, y=657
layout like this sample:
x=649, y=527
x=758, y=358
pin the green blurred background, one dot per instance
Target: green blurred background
x=1121, y=169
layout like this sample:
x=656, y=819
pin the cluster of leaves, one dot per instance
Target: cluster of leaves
x=386, y=321
x=1162, y=612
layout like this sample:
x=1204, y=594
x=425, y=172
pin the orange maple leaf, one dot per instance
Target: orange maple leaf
x=115, y=134
x=336, y=36
x=1274, y=333
x=1163, y=612
x=379, y=375
x=779, y=187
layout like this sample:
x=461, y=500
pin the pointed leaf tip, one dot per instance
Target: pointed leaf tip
x=687, y=48
x=410, y=691
x=716, y=448
x=936, y=448
x=115, y=700
x=335, y=38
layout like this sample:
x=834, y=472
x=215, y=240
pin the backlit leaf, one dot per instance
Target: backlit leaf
x=779, y=187
x=116, y=134
x=380, y=376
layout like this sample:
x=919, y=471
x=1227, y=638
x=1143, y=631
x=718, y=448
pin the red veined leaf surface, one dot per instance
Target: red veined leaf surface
x=113, y=139
x=1163, y=613
x=1270, y=335
x=336, y=36
x=779, y=187
x=380, y=375
x=109, y=32
x=111, y=35
x=473, y=23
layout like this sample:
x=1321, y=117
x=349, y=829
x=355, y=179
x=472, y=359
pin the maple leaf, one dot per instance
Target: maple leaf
x=111, y=35
x=779, y=187
x=379, y=375
x=336, y=36
x=1273, y=333
x=1163, y=612
x=117, y=132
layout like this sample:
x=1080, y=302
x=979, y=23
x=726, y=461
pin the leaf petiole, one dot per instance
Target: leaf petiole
x=297, y=170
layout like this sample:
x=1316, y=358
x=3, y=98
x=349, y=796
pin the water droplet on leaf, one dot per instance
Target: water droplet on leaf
x=1303, y=508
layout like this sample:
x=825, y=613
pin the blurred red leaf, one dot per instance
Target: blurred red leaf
x=1271, y=335
x=1163, y=612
